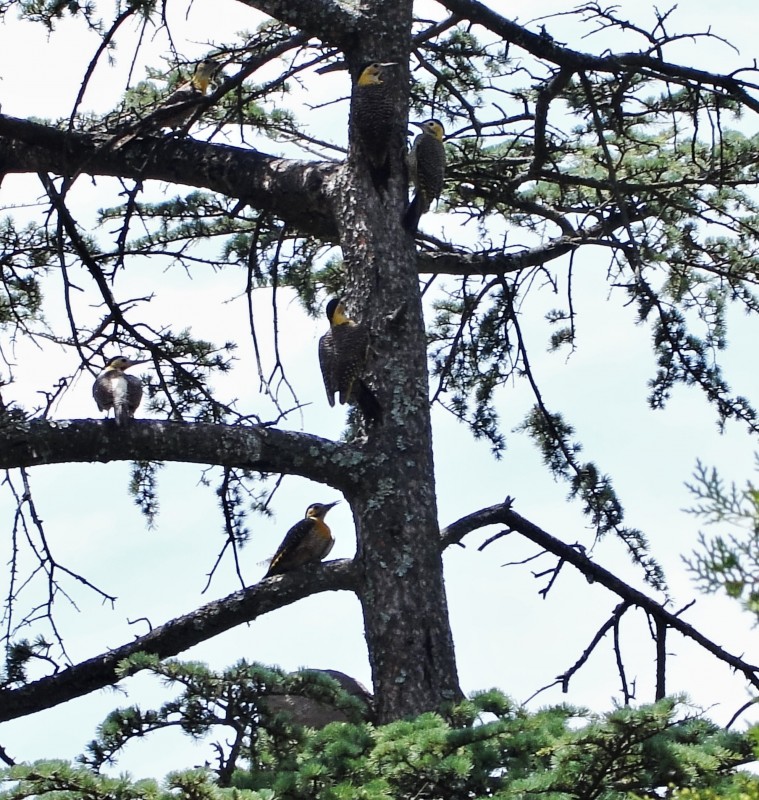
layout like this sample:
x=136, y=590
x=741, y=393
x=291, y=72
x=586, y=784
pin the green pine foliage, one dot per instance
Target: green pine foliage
x=485, y=747
x=727, y=561
x=25, y=260
x=143, y=486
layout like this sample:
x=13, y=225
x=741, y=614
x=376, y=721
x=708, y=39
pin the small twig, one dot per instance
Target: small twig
x=602, y=631
x=4, y=757
x=661, y=659
x=621, y=664
x=743, y=708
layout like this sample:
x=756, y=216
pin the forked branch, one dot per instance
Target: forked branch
x=503, y=514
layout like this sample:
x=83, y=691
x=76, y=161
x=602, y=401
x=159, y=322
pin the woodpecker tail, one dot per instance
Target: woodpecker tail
x=413, y=214
x=380, y=173
x=368, y=403
x=121, y=414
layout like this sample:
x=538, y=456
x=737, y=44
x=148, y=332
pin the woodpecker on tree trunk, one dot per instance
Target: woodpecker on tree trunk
x=374, y=117
x=426, y=165
x=343, y=352
x=307, y=542
x=114, y=389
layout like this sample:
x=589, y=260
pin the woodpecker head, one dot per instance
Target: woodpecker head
x=336, y=312
x=433, y=127
x=319, y=510
x=205, y=72
x=371, y=74
x=121, y=362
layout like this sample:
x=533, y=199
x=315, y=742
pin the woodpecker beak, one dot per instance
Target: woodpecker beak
x=327, y=506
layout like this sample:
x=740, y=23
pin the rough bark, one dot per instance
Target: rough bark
x=402, y=591
x=328, y=20
x=37, y=442
x=299, y=192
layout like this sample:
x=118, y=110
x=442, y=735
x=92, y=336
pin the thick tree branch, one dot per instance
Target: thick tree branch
x=327, y=20
x=259, y=448
x=178, y=635
x=298, y=192
x=452, y=262
x=447, y=261
x=441, y=262
x=503, y=515
x=544, y=47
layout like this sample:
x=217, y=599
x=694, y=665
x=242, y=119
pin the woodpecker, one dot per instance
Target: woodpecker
x=426, y=165
x=178, y=108
x=114, y=389
x=307, y=542
x=342, y=357
x=374, y=118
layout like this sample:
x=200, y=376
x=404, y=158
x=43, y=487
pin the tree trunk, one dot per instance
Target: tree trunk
x=402, y=590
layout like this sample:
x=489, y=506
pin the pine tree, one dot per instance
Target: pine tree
x=629, y=151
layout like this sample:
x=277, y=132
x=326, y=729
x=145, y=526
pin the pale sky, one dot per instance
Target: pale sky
x=506, y=635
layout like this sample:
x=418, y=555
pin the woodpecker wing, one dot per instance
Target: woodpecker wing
x=351, y=343
x=127, y=394
x=327, y=360
x=102, y=391
x=428, y=168
x=134, y=393
x=173, y=111
x=176, y=109
x=309, y=540
x=374, y=117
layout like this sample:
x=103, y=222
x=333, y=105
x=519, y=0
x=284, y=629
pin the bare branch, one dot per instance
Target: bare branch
x=503, y=515
x=544, y=47
x=612, y=622
x=178, y=635
x=661, y=659
x=627, y=693
x=5, y=758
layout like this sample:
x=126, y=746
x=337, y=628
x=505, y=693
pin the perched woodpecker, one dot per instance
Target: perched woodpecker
x=114, y=389
x=374, y=117
x=426, y=165
x=307, y=542
x=179, y=106
x=176, y=109
x=342, y=357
